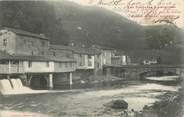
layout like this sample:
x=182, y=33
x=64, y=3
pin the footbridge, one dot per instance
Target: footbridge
x=138, y=71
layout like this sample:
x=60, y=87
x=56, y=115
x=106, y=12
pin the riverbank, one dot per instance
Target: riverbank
x=171, y=104
x=87, y=103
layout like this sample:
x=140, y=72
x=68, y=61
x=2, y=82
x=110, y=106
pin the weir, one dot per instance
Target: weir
x=6, y=88
x=5, y=85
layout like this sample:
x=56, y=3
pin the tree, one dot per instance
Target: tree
x=160, y=37
x=34, y=16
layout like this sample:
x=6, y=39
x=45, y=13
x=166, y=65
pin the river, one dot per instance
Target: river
x=162, y=98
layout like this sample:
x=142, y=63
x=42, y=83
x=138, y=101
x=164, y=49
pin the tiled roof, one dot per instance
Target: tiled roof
x=103, y=47
x=26, y=33
x=60, y=47
x=61, y=59
x=90, y=51
x=75, y=49
x=29, y=58
x=6, y=56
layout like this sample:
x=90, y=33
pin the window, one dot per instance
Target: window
x=89, y=56
x=60, y=64
x=47, y=64
x=29, y=64
x=32, y=43
x=15, y=62
x=98, y=65
x=24, y=41
x=54, y=53
x=71, y=65
x=3, y=62
x=4, y=42
x=42, y=52
x=43, y=43
x=89, y=63
x=66, y=64
x=80, y=64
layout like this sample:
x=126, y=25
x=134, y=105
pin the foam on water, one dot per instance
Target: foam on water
x=163, y=78
x=137, y=96
x=15, y=84
x=5, y=85
x=149, y=87
x=19, y=88
x=19, y=82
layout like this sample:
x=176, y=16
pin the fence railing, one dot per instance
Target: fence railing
x=5, y=68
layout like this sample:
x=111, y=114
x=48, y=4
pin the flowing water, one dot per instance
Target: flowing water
x=89, y=102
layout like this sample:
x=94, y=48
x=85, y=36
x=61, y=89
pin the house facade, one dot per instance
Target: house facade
x=34, y=70
x=39, y=64
x=106, y=54
x=27, y=55
x=120, y=58
x=19, y=42
x=87, y=59
x=64, y=65
x=88, y=62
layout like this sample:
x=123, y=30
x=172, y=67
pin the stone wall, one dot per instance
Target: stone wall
x=31, y=46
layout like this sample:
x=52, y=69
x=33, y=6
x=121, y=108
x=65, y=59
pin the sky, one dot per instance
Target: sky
x=145, y=12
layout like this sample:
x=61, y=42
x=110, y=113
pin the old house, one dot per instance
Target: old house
x=29, y=68
x=149, y=61
x=65, y=65
x=19, y=42
x=120, y=58
x=25, y=55
x=87, y=60
x=26, y=52
x=106, y=54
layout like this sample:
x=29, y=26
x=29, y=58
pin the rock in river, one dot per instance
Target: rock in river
x=117, y=104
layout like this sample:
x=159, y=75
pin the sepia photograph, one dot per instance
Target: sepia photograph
x=91, y=58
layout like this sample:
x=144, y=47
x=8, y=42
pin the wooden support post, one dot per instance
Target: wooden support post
x=28, y=79
x=108, y=72
x=51, y=81
x=71, y=80
x=9, y=67
x=95, y=71
x=8, y=77
x=9, y=72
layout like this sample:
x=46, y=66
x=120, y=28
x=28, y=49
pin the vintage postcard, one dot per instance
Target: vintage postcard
x=92, y=58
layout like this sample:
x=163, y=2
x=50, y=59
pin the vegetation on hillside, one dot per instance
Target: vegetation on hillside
x=34, y=16
x=66, y=21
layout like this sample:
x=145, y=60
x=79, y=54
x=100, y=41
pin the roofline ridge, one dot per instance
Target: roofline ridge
x=25, y=32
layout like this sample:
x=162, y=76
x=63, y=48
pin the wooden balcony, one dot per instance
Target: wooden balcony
x=62, y=68
x=8, y=69
x=36, y=67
